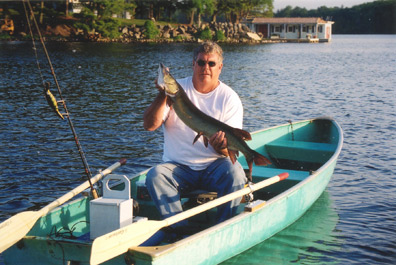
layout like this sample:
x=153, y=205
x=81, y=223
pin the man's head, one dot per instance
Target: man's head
x=207, y=65
x=209, y=47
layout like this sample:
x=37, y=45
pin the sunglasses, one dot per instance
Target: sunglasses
x=203, y=63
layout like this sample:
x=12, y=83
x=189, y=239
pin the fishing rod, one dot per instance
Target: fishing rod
x=51, y=99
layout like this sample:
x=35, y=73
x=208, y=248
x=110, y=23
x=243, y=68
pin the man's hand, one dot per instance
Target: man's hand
x=219, y=143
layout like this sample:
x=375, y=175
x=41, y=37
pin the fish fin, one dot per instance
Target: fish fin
x=206, y=141
x=260, y=160
x=244, y=135
x=197, y=137
x=233, y=155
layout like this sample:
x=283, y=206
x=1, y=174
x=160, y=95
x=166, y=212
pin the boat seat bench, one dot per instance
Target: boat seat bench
x=300, y=150
x=259, y=172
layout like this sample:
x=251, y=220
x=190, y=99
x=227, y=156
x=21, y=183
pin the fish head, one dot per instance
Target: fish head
x=166, y=81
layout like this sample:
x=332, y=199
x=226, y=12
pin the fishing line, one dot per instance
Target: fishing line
x=34, y=43
x=67, y=114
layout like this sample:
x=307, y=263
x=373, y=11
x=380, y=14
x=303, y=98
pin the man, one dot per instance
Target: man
x=189, y=166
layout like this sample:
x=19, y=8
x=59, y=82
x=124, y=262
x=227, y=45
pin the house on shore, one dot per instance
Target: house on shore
x=298, y=29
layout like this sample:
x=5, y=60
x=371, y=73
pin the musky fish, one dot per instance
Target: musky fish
x=205, y=125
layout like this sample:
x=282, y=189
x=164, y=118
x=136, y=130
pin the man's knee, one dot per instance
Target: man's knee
x=160, y=178
x=151, y=176
x=236, y=172
x=154, y=177
x=230, y=177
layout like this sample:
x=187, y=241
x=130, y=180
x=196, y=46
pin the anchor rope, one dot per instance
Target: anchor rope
x=292, y=131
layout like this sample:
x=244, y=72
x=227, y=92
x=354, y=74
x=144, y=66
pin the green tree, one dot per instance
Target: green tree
x=206, y=7
x=378, y=17
x=108, y=8
x=98, y=15
x=188, y=7
x=156, y=9
x=235, y=10
x=198, y=7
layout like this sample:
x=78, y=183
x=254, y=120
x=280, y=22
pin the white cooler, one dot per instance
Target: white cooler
x=112, y=211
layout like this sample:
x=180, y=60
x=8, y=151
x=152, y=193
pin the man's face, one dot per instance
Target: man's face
x=207, y=69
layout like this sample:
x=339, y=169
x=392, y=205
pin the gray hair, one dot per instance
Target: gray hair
x=208, y=47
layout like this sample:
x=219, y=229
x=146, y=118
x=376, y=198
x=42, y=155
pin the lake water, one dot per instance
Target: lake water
x=108, y=86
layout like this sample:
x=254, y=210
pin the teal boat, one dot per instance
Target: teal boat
x=306, y=150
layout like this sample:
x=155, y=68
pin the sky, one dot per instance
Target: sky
x=314, y=4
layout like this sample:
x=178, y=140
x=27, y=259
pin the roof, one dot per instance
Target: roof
x=288, y=20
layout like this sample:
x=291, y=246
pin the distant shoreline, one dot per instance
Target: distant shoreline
x=231, y=33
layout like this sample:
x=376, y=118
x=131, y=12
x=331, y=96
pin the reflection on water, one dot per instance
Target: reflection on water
x=108, y=86
x=308, y=239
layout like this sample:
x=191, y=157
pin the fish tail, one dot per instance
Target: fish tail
x=59, y=114
x=260, y=160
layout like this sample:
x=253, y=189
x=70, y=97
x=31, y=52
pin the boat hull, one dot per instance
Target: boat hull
x=219, y=242
x=241, y=232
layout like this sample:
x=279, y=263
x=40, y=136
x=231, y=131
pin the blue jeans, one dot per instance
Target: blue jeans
x=167, y=181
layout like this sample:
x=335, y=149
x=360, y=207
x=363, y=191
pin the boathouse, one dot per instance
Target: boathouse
x=299, y=29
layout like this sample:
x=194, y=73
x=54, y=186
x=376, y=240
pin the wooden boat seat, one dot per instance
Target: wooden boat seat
x=300, y=150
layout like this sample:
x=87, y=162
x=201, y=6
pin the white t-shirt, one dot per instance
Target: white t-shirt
x=223, y=104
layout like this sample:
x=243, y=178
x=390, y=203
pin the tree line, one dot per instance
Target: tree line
x=99, y=15
x=378, y=17
x=169, y=10
x=193, y=11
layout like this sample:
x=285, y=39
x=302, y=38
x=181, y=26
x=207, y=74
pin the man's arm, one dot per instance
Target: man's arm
x=153, y=115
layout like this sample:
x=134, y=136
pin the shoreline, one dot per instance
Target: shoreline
x=230, y=33
x=142, y=41
x=219, y=32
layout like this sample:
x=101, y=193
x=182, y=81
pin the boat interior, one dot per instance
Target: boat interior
x=299, y=150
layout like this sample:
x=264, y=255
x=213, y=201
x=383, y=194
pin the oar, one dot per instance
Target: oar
x=16, y=227
x=119, y=241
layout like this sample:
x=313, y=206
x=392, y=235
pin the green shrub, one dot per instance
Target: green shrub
x=219, y=36
x=205, y=34
x=84, y=27
x=108, y=27
x=179, y=38
x=5, y=36
x=152, y=31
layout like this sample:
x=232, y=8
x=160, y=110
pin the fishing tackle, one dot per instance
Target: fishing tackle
x=53, y=100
